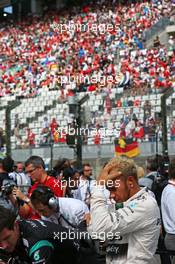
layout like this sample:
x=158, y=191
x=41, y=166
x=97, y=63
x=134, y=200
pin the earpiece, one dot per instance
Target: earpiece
x=52, y=202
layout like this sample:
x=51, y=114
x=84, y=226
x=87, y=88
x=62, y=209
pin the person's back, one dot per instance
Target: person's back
x=167, y=208
x=148, y=180
x=155, y=179
x=6, y=166
x=72, y=210
x=68, y=212
x=42, y=241
x=3, y=176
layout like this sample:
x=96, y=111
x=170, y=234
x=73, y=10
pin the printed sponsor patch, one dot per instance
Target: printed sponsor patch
x=117, y=250
x=36, y=255
x=133, y=205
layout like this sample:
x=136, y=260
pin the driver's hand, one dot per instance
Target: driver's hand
x=18, y=194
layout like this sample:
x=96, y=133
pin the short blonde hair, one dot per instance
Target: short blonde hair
x=140, y=172
x=126, y=166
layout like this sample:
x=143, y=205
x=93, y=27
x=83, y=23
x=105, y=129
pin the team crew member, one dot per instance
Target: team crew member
x=132, y=231
x=6, y=166
x=168, y=209
x=86, y=184
x=35, y=168
x=34, y=241
x=68, y=212
x=21, y=179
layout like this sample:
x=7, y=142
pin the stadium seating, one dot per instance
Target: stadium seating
x=31, y=106
x=37, y=56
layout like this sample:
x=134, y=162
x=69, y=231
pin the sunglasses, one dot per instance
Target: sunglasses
x=30, y=171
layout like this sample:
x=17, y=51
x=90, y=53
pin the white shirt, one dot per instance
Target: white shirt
x=168, y=208
x=76, y=194
x=132, y=232
x=85, y=188
x=71, y=209
x=22, y=180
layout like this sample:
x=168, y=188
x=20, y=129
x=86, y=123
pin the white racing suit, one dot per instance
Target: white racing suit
x=131, y=232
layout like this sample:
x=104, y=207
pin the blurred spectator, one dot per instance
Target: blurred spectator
x=62, y=136
x=21, y=179
x=147, y=110
x=46, y=136
x=151, y=129
x=122, y=129
x=172, y=130
x=152, y=165
x=130, y=127
x=53, y=125
x=17, y=127
x=168, y=209
x=139, y=131
x=86, y=183
x=119, y=103
x=108, y=104
x=30, y=138
x=171, y=41
x=56, y=136
x=45, y=123
x=6, y=166
x=64, y=168
x=74, y=183
x=156, y=178
x=2, y=139
x=156, y=42
x=97, y=137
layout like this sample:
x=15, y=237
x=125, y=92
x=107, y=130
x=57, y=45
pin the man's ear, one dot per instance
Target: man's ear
x=130, y=181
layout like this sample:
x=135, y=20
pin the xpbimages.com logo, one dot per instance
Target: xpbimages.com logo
x=85, y=131
x=87, y=79
x=75, y=235
x=72, y=27
x=72, y=184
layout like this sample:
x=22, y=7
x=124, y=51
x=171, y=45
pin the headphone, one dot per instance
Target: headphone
x=50, y=198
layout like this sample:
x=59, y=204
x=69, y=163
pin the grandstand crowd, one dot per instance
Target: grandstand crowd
x=131, y=125
x=36, y=53
x=92, y=49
